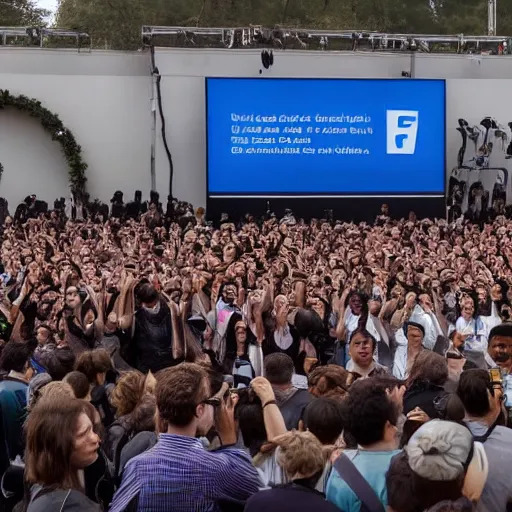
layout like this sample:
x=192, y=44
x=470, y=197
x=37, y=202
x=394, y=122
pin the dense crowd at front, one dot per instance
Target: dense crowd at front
x=152, y=362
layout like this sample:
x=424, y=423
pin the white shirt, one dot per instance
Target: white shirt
x=429, y=323
x=352, y=323
x=400, y=360
x=491, y=321
x=283, y=339
x=477, y=339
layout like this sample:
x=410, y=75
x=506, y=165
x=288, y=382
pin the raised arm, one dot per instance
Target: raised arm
x=126, y=308
x=341, y=330
x=438, y=311
x=274, y=422
x=401, y=316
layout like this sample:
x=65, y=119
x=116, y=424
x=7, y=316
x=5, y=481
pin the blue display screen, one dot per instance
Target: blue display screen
x=322, y=136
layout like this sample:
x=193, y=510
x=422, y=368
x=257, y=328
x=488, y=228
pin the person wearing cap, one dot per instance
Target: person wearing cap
x=440, y=462
x=406, y=353
x=483, y=402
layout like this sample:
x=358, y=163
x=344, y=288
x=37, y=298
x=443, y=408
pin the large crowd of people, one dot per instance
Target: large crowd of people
x=153, y=362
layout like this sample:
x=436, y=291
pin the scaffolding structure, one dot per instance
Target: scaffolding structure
x=44, y=37
x=256, y=36
x=491, y=17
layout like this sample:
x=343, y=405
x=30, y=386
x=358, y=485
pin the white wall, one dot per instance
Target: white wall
x=104, y=98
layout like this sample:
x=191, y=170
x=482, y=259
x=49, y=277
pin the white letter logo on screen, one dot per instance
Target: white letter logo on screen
x=402, y=129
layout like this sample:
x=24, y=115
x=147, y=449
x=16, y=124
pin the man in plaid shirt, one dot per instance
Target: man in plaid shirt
x=178, y=474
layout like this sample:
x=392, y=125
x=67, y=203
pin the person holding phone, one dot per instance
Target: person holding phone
x=178, y=473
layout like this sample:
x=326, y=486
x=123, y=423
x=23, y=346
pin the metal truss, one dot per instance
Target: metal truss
x=256, y=36
x=44, y=37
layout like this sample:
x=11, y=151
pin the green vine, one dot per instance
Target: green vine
x=54, y=126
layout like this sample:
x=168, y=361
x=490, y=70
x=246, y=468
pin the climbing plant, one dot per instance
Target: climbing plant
x=58, y=132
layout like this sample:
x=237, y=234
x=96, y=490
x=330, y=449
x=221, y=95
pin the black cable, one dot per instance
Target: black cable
x=162, y=118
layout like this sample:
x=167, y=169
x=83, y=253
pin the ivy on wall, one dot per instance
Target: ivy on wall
x=58, y=132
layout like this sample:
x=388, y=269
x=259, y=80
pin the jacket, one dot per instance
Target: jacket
x=61, y=501
x=290, y=497
x=292, y=403
x=117, y=435
x=138, y=444
x=153, y=339
x=13, y=404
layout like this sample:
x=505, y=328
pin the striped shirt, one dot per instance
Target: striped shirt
x=178, y=474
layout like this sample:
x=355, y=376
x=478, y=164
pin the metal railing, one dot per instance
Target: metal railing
x=43, y=37
x=293, y=38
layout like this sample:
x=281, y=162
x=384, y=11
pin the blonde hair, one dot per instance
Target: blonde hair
x=300, y=454
x=56, y=391
x=128, y=392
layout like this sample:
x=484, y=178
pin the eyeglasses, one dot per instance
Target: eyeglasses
x=214, y=402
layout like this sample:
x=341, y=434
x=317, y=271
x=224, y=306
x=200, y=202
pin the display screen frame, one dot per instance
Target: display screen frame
x=267, y=194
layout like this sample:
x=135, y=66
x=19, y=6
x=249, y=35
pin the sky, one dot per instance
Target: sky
x=48, y=4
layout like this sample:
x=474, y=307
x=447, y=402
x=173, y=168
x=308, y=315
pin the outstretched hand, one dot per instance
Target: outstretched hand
x=225, y=419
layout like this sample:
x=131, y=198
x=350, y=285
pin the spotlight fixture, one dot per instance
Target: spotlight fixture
x=267, y=58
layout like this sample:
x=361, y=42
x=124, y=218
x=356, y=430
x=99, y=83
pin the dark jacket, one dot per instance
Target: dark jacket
x=118, y=434
x=292, y=497
x=292, y=405
x=62, y=501
x=423, y=394
x=152, y=340
x=99, y=481
x=13, y=404
x=138, y=444
x=112, y=344
x=100, y=400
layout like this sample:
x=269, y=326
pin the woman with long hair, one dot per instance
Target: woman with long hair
x=125, y=397
x=60, y=444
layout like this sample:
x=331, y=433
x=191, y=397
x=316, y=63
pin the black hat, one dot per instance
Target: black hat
x=414, y=324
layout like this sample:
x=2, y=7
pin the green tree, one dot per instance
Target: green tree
x=21, y=13
x=116, y=23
